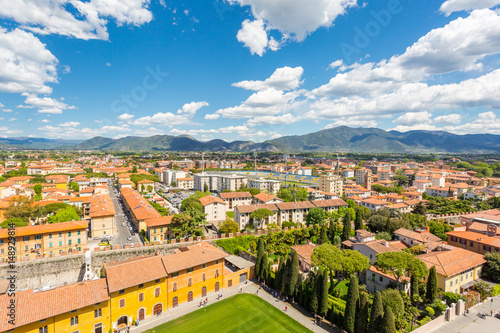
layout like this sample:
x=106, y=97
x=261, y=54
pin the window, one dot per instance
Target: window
x=174, y=287
x=157, y=292
x=190, y=282
x=38, y=237
x=161, y=229
x=451, y=283
x=97, y=313
x=157, y=281
x=204, y=277
x=43, y=329
x=217, y=273
x=69, y=242
x=74, y=320
x=122, y=303
x=60, y=234
x=79, y=241
x=141, y=297
x=60, y=243
x=216, y=261
x=471, y=243
x=176, y=274
x=69, y=233
x=78, y=233
x=203, y=266
x=121, y=291
x=371, y=256
x=26, y=238
x=381, y=278
x=26, y=248
x=190, y=270
x=141, y=285
x=373, y=276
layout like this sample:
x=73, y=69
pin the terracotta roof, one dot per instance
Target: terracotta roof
x=46, y=228
x=476, y=237
x=423, y=237
x=159, y=221
x=329, y=203
x=33, y=306
x=192, y=256
x=387, y=275
x=140, y=207
x=452, y=262
x=102, y=205
x=305, y=251
x=233, y=195
x=265, y=197
x=145, y=181
x=210, y=199
x=131, y=273
x=251, y=208
x=374, y=201
x=295, y=205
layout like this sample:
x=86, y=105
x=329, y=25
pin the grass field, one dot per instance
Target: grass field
x=239, y=313
x=230, y=214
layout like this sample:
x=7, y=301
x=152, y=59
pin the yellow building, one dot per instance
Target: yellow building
x=137, y=288
x=139, y=207
x=457, y=269
x=159, y=228
x=46, y=240
x=79, y=307
x=102, y=216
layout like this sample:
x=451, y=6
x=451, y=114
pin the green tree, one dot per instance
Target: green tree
x=64, y=215
x=323, y=239
x=391, y=298
x=388, y=325
x=358, y=222
x=259, y=215
x=265, y=269
x=294, y=273
x=350, y=307
x=313, y=301
x=279, y=274
x=332, y=231
x=346, y=227
x=188, y=223
x=16, y=221
x=491, y=269
x=400, y=264
x=414, y=287
x=431, y=285
x=229, y=226
x=74, y=186
x=134, y=169
x=260, y=255
x=323, y=303
x=205, y=188
x=376, y=314
x=20, y=207
x=316, y=216
x=362, y=314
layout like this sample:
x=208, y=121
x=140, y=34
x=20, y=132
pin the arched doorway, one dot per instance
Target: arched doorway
x=142, y=314
x=157, y=309
x=190, y=296
x=122, y=321
x=175, y=302
x=216, y=286
x=203, y=291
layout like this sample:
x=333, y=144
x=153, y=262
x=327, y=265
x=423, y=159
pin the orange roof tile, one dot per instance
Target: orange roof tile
x=46, y=228
x=194, y=255
x=210, y=199
x=133, y=272
x=452, y=262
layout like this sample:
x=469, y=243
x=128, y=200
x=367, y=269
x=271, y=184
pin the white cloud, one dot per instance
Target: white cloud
x=70, y=124
x=163, y=119
x=336, y=63
x=190, y=109
x=267, y=120
x=45, y=104
x=351, y=121
x=295, y=19
x=12, y=119
x=45, y=121
x=25, y=64
x=6, y=130
x=284, y=78
x=253, y=35
x=148, y=132
x=412, y=118
x=212, y=116
x=451, y=6
x=7, y=110
x=74, y=132
x=452, y=118
x=125, y=117
x=108, y=64
x=88, y=23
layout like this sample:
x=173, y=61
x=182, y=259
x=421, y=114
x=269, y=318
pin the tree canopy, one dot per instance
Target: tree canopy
x=315, y=216
x=400, y=264
x=344, y=262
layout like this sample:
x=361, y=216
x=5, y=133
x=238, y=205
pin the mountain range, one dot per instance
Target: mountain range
x=338, y=139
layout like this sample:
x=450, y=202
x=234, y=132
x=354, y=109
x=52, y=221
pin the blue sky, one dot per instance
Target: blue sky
x=247, y=69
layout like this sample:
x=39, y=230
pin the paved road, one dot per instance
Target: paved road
x=471, y=323
x=121, y=233
x=183, y=309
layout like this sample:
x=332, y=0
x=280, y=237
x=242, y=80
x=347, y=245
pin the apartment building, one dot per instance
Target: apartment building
x=45, y=240
x=233, y=199
x=139, y=208
x=185, y=183
x=219, y=182
x=265, y=185
x=242, y=214
x=331, y=183
x=159, y=228
x=474, y=241
x=102, y=216
x=417, y=237
x=265, y=198
x=171, y=176
x=293, y=211
x=214, y=207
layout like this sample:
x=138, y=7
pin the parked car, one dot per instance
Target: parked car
x=129, y=238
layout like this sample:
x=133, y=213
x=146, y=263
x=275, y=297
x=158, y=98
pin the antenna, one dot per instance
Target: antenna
x=286, y=156
x=202, y=162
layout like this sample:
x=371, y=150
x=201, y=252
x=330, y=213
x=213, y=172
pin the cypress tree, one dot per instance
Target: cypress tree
x=260, y=255
x=294, y=274
x=358, y=222
x=332, y=285
x=331, y=232
x=388, y=325
x=265, y=268
x=316, y=287
x=346, y=228
x=350, y=307
x=323, y=238
x=285, y=276
x=431, y=285
x=362, y=314
x=323, y=304
x=278, y=275
x=376, y=314
x=413, y=286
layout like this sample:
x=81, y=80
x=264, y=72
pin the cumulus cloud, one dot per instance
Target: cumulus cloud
x=45, y=104
x=212, y=116
x=70, y=124
x=284, y=78
x=125, y=117
x=190, y=109
x=163, y=119
x=411, y=118
x=451, y=6
x=25, y=64
x=75, y=132
x=294, y=19
x=452, y=118
x=89, y=21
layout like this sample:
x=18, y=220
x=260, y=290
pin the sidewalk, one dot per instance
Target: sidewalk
x=250, y=288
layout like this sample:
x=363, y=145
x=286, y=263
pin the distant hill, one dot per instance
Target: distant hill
x=340, y=139
x=36, y=143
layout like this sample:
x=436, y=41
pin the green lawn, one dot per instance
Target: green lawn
x=239, y=313
x=230, y=214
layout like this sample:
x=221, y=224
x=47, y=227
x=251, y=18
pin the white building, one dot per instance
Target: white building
x=265, y=185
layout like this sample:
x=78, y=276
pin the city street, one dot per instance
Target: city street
x=121, y=233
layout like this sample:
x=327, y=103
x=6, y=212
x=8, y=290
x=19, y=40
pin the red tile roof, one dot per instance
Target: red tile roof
x=194, y=255
x=452, y=262
x=210, y=199
x=133, y=272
